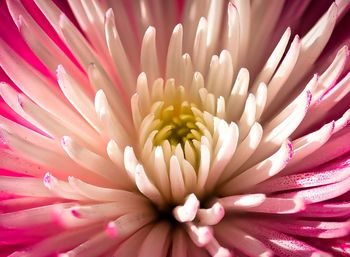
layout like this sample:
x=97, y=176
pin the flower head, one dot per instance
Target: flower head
x=170, y=128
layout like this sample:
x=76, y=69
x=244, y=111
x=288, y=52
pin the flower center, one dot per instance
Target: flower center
x=169, y=117
x=178, y=125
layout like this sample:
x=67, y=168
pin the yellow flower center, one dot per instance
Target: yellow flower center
x=177, y=125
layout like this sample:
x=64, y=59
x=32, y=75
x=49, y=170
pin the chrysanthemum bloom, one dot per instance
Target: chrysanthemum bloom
x=124, y=134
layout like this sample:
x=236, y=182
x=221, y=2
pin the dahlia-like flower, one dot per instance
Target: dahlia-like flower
x=174, y=128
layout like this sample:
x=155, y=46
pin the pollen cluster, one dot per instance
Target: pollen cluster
x=177, y=124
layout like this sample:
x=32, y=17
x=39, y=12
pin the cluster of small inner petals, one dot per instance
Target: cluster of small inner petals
x=171, y=128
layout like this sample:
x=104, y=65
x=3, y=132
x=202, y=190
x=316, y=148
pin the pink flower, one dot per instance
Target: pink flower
x=124, y=134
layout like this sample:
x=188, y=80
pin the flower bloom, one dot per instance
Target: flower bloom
x=170, y=128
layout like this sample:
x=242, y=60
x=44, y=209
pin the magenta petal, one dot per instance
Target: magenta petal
x=332, y=173
x=280, y=243
x=307, y=228
x=326, y=210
